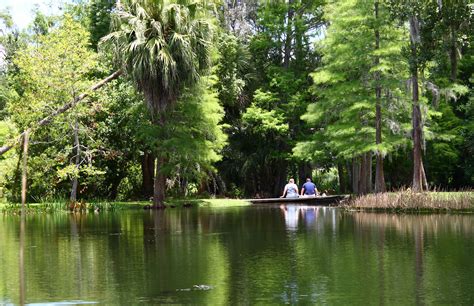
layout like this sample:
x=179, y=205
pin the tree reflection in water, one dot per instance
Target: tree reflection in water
x=22, y=258
x=257, y=254
x=423, y=232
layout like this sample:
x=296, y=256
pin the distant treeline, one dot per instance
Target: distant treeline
x=235, y=97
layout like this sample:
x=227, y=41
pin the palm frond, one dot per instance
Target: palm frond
x=162, y=46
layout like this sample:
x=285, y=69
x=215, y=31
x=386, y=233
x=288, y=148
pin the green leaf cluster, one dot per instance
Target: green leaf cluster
x=343, y=114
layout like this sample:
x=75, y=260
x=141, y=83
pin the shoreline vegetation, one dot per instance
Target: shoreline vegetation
x=404, y=201
x=410, y=201
x=105, y=205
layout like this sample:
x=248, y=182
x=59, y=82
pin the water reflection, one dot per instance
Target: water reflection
x=22, y=258
x=310, y=217
x=407, y=224
x=267, y=255
x=425, y=234
x=291, y=214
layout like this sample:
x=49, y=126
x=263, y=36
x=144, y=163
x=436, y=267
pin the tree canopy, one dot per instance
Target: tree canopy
x=233, y=98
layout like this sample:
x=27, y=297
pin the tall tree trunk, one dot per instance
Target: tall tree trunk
x=159, y=184
x=350, y=175
x=417, y=183
x=363, y=175
x=26, y=140
x=424, y=182
x=183, y=187
x=299, y=31
x=221, y=184
x=115, y=184
x=77, y=145
x=342, y=177
x=453, y=55
x=17, y=184
x=368, y=179
x=355, y=175
x=280, y=179
x=148, y=173
x=379, y=175
x=417, y=139
x=289, y=34
x=46, y=120
x=304, y=171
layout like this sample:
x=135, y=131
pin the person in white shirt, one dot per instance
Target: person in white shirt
x=291, y=190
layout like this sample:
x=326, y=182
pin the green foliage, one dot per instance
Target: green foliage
x=261, y=119
x=116, y=125
x=344, y=114
x=50, y=73
x=10, y=42
x=100, y=17
x=230, y=70
x=326, y=180
x=8, y=161
x=266, y=123
x=193, y=137
x=443, y=152
x=164, y=46
x=42, y=23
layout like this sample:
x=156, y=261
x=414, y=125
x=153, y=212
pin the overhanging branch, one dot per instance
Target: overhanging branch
x=46, y=120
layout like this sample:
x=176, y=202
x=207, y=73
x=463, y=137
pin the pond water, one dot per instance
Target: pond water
x=239, y=255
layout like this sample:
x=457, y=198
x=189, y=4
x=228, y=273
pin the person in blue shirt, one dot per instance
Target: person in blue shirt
x=309, y=188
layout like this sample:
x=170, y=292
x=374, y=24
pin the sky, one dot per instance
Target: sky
x=22, y=10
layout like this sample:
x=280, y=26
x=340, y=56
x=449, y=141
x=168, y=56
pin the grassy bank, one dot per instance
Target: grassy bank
x=97, y=205
x=408, y=201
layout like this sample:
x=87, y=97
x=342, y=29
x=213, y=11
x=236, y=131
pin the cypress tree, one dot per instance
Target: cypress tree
x=358, y=89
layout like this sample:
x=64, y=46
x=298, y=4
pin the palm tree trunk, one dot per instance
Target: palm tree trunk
x=148, y=173
x=159, y=183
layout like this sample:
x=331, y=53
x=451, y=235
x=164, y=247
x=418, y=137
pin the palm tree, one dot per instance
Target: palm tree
x=164, y=46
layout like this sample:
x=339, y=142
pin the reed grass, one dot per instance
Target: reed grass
x=410, y=201
x=14, y=209
x=96, y=205
x=59, y=206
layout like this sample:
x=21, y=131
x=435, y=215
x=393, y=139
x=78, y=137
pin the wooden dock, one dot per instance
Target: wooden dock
x=331, y=200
